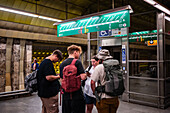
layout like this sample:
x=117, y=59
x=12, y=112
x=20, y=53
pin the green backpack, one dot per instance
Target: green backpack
x=114, y=85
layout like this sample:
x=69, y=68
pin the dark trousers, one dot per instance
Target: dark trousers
x=73, y=106
x=108, y=105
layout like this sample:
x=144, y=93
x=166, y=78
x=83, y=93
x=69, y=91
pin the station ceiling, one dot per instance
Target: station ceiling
x=143, y=18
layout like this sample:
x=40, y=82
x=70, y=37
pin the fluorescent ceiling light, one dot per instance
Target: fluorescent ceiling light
x=158, y=6
x=167, y=18
x=18, y=12
x=29, y=14
x=150, y=2
x=48, y=18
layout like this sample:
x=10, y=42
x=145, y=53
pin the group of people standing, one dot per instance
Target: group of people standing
x=81, y=100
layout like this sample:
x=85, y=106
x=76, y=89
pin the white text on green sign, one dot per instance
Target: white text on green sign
x=120, y=19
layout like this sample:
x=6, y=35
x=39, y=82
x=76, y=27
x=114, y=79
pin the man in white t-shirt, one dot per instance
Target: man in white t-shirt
x=89, y=97
x=107, y=104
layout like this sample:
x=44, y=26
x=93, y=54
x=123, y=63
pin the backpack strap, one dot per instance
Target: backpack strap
x=99, y=89
x=73, y=61
x=89, y=67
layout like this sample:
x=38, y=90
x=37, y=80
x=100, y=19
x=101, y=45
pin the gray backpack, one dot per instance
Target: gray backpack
x=114, y=85
x=31, y=82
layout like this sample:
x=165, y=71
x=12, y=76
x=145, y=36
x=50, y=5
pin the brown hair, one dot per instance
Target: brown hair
x=73, y=48
x=95, y=57
x=58, y=53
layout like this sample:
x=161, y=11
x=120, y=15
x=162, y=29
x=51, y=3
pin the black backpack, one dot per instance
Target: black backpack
x=31, y=82
x=114, y=85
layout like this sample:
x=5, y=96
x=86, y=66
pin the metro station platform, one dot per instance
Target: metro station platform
x=32, y=104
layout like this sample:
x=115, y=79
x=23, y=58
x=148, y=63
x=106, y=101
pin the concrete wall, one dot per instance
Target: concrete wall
x=2, y=64
x=15, y=63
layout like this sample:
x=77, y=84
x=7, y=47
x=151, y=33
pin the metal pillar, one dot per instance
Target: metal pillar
x=127, y=57
x=98, y=42
x=125, y=66
x=66, y=10
x=88, y=48
x=160, y=59
x=113, y=4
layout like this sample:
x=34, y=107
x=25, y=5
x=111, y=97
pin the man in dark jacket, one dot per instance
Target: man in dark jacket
x=48, y=84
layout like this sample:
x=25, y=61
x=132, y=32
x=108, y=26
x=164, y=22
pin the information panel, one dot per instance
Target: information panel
x=120, y=19
x=113, y=32
x=123, y=54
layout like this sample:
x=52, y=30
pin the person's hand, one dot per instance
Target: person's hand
x=83, y=76
x=88, y=74
x=58, y=76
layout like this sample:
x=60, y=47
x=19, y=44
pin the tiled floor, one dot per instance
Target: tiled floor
x=32, y=104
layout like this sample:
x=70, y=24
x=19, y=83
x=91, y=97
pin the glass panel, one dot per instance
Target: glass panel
x=153, y=100
x=167, y=46
x=167, y=65
x=167, y=55
x=143, y=48
x=143, y=86
x=143, y=69
x=167, y=26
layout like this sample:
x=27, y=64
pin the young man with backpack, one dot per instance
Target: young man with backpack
x=71, y=74
x=107, y=101
x=89, y=97
x=48, y=84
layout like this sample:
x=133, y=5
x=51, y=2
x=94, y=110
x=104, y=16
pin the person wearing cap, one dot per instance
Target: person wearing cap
x=34, y=65
x=107, y=104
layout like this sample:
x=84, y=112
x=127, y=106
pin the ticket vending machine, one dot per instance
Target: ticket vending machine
x=114, y=46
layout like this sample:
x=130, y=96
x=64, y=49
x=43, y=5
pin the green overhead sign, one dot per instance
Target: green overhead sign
x=138, y=33
x=120, y=19
x=141, y=36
